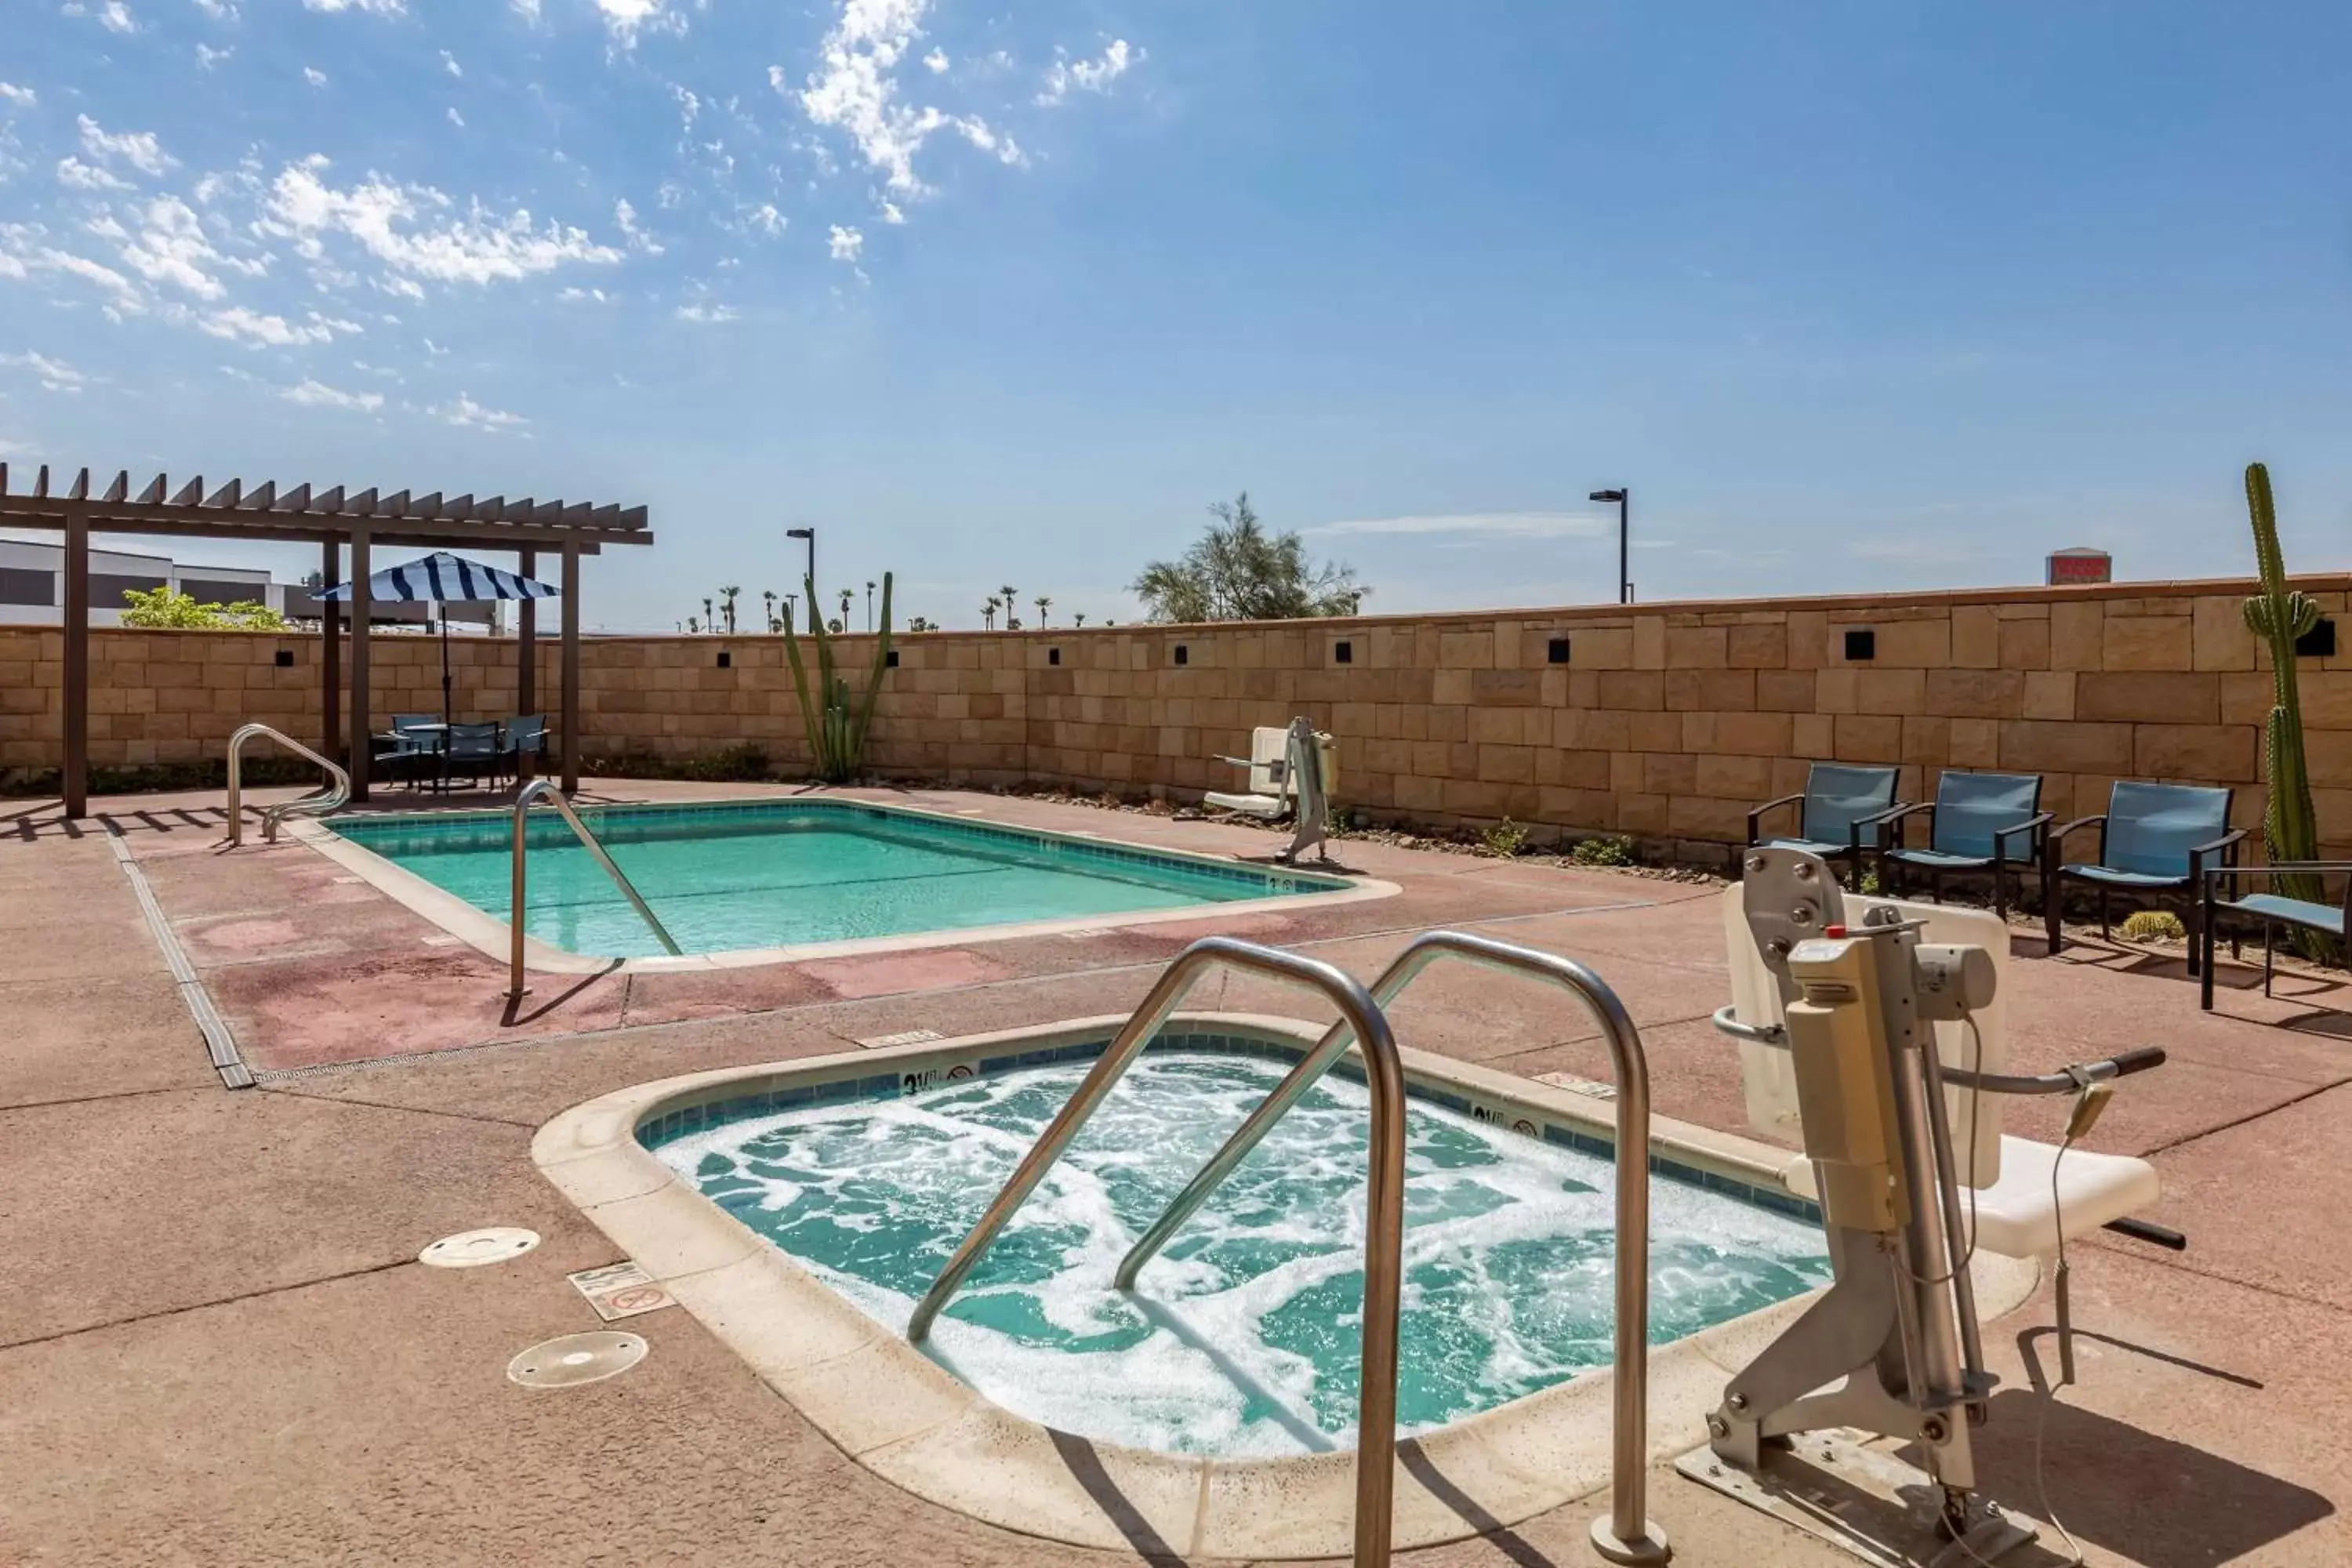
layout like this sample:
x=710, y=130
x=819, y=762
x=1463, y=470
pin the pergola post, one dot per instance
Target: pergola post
x=570, y=668
x=526, y=642
x=362, y=618
x=331, y=654
x=76, y=667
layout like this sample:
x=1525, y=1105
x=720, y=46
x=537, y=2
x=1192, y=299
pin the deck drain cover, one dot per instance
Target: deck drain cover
x=575, y=1359
x=472, y=1249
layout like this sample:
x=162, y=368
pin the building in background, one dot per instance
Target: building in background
x=33, y=585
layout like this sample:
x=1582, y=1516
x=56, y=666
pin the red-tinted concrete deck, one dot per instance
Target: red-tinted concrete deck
x=214, y=1345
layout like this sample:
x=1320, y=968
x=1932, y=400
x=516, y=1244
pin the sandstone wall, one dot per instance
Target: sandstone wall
x=1665, y=721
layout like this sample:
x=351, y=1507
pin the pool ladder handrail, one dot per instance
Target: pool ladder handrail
x=519, y=892
x=1631, y=1537
x=1383, y=1198
x=332, y=798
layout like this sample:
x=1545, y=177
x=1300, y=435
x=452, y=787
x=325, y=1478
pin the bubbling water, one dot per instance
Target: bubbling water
x=1242, y=1337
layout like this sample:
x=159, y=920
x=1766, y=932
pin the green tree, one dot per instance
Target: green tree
x=988, y=616
x=168, y=608
x=1239, y=571
x=727, y=601
x=1045, y=603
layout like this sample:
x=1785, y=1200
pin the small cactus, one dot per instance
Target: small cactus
x=836, y=729
x=2279, y=616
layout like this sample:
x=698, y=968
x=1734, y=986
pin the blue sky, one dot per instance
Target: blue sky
x=1851, y=295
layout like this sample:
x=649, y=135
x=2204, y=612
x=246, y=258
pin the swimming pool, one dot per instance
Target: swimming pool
x=738, y=876
x=1242, y=1340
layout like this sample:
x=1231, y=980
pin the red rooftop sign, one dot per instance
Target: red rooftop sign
x=2081, y=565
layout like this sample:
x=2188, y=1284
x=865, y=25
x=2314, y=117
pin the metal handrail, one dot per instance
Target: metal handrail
x=1383, y=1195
x=331, y=798
x=546, y=789
x=1630, y=1538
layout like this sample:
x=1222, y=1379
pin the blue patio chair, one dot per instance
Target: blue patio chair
x=526, y=736
x=2273, y=910
x=1839, y=804
x=2154, y=838
x=1978, y=821
x=473, y=750
x=414, y=754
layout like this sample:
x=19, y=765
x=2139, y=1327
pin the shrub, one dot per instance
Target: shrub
x=2154, y=925
x=1502, y=840
x=1602, y=851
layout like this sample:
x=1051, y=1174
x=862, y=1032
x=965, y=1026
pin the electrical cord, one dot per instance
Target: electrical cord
x=1976, y=1102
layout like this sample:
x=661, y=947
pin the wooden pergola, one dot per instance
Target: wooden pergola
x=333, y=520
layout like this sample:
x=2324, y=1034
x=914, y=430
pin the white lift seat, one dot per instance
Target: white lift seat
x=1269, y=790
x=2016, y=1217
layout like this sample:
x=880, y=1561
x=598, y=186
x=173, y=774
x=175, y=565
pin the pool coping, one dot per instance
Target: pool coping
x=492, y=937
x=908, y=1420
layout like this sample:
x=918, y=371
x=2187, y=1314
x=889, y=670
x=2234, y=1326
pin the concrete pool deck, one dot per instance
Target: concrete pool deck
x=216, y=1344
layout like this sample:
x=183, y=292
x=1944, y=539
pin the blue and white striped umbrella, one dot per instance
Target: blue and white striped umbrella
x=446, y=579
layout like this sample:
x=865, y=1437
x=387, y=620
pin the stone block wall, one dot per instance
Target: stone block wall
x=1665, y=721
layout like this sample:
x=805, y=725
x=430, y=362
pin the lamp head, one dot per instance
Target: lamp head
x=800, y=533
x=1606, y=495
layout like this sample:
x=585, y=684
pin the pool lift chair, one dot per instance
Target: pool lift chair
x=1872, y=1029
x=1291, y=771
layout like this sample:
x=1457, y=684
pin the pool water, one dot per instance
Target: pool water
x=1242, y=1336
x=780, y=874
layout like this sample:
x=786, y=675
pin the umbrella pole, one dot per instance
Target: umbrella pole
x=447, y=718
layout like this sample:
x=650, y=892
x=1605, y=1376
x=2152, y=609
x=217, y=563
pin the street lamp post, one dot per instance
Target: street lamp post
x=809, y=534
x=1625, y=562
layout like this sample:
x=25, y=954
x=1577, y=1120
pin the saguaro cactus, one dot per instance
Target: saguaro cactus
x=2279, y=616
x=837, y=723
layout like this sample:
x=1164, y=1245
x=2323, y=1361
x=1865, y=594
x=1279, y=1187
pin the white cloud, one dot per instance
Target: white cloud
x=74, y=174
x=140, y=149
x=627, y=18
x=405, y=229
x=376, y=7
x=319, y=395
x=171, y=248
x=23, y=97
x=706, y=313
x=465, y=411
x=857, y=92
x=937, y=61
x=449, y=63
x=846, y=244
x=21, y=256
x=890, y=213
x=314, y=76
x=219, y=10
x=528, y=10
x=1487, y=524
x=768, y=220
x=639, y=240
x=115, y=17
x=576, y=296
x=1088, y=76
x=55, y=375
x=207, y=56
x=236, y=323
x=456, y=119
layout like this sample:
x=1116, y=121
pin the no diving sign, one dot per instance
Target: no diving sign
x=620, y=1290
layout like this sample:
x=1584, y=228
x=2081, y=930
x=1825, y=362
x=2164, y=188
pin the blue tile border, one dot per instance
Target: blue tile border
x=655, y=1131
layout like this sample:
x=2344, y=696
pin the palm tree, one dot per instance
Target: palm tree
x=846, y=596
x=692, y=624
x=768, y=596
x=1044, y=603
x=710, y=616
x=728, y=595
x=1009, y=602
x=869, y=603
x=1079, y=616
x=988, y=616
